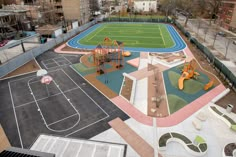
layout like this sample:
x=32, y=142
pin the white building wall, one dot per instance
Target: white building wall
x=145, y=6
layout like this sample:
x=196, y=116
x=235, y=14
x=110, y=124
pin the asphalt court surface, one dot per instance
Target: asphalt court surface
x=56, y=62
x=70, y=107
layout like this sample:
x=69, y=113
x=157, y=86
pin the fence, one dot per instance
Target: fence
x=217, y=64
x=24, y=57
x=134, y=19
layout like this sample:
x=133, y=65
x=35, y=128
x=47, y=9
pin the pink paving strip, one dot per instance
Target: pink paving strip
x=131, y=110
x=188, y=52
x=134, y=62
x=59, y=50
x=173, y=119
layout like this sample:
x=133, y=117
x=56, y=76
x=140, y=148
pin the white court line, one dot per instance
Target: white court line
x=41, y=113
x=44, y=65
x=67, y=60
x=56, y=62
x=32, y=76
x=87, y=126
x=50, y=63
x=17, y=125
x=85, y=92
x=52, y=58
x=45, y=97
x=62, y=119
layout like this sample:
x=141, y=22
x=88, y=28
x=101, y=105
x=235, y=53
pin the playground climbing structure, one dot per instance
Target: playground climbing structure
x=108, y=51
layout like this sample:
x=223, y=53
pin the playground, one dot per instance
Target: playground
x=185, y=83
x=104, y=65
x=105, y=74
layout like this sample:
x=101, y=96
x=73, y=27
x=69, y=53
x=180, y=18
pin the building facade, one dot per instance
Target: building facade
x=145, y=6
x=80, y=11
x=227, y=15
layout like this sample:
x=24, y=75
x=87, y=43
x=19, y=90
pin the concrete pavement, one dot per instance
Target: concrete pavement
x=199, y=32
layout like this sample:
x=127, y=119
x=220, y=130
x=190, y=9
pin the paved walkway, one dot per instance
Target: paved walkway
x=132, y=138
x=59, y=50
x=176, y=117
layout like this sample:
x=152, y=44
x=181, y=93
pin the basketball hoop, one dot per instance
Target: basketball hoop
x=46, y=79
x=41, y=72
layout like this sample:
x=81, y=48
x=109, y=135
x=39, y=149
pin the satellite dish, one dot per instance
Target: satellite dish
x=41, y=72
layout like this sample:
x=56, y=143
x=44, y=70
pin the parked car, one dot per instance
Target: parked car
x=223, y=34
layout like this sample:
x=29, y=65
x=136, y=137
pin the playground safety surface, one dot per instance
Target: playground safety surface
x=73, y=108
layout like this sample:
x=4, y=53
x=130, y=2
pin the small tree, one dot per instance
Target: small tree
x=205, y=31
x=214, y=9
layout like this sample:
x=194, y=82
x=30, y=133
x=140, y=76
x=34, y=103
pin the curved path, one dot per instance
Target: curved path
x=179, y=42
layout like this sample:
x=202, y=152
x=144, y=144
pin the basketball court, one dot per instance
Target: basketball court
x=59, y=103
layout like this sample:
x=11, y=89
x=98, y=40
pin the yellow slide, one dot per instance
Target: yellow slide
x=181, y=80
x=208, y=85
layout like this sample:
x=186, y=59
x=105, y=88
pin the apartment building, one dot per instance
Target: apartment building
x=227, y=15
x=80, y=11
x=145, y=5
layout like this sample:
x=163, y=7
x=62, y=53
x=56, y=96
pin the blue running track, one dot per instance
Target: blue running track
x=179, y=43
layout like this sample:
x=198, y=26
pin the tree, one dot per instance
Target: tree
x=214, y=8
x=216, y=30
x=166, y=6
x=93, y=6
x=205, y=31
x=227, y=43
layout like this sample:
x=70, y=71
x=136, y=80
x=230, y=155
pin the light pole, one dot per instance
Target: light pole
x=155, y=137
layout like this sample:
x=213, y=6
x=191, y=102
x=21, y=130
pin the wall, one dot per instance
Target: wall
x=23, y=58
x=4, y=143
x=71, y=14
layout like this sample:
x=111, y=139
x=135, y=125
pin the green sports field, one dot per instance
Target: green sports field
x=133, y=35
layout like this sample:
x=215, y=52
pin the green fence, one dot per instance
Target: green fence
x=139, y=19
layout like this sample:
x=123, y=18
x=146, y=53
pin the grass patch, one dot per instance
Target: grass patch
x=175, y=103
x=199, y=139
x=191, y=86
x=132, y=34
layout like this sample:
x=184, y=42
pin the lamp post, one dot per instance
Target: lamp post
x=155, y=137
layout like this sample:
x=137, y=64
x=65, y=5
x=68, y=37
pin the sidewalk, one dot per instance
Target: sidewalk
x=218, y=50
